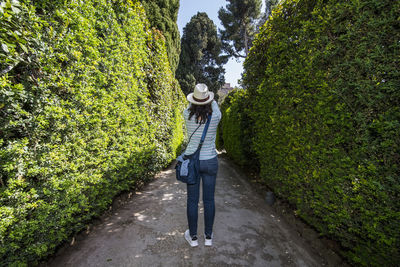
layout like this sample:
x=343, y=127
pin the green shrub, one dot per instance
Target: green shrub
x=323, y=96
x=163, y=15
x=88, y=107
x=233, y=132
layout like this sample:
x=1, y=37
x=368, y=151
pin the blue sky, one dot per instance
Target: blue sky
x=189, y=8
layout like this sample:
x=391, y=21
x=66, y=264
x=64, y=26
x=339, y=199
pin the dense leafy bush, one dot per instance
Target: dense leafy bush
x=88, y=107
x=233, y=132
x=163, y=15
x=323, y=97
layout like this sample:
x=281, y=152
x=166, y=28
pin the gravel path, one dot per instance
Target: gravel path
x=148, y=230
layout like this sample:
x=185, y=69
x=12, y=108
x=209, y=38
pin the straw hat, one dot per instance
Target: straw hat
x=200, y=95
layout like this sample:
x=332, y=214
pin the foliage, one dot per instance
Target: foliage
x=89, y=107
x=322, y=82
x=233, y=132
x=163, y=15
x=200, y=60
x=239, y=20
x=269, y=6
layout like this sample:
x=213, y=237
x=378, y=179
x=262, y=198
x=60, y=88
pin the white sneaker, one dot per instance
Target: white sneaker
x=193, y=242
x=208, y=241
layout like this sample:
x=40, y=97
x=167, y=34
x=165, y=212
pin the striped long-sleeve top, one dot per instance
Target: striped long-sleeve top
x=208, y=150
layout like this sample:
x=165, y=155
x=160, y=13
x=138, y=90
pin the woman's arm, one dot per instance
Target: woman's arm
x=216, y=111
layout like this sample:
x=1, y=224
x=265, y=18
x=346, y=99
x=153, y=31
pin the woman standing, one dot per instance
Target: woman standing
x=202, y=104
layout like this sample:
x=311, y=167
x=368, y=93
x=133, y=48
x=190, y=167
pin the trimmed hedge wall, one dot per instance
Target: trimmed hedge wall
x=88, y=108
x=233, y=133
x=323, y=99
x=163, y=15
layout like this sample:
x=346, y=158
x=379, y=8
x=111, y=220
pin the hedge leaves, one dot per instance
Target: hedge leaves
x=89, y=107
x=322, y=110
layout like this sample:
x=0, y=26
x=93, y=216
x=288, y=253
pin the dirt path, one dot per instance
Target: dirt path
x=148, y=230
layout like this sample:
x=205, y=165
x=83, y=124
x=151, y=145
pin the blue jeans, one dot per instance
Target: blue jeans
x=208, y=174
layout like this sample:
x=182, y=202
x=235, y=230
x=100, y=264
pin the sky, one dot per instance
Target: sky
x=189, y=8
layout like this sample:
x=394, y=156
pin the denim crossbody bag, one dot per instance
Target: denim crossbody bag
x=187, y=167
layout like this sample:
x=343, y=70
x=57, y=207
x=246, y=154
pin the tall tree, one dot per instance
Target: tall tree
x=239, y=19
x=200, y=60
x=163, y=15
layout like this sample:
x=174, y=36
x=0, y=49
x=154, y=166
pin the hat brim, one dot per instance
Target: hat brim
x=191, y=100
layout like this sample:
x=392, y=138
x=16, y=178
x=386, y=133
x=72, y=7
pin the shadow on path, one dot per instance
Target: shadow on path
x=148, y=230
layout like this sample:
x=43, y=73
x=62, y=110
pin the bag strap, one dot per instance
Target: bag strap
x=205, y=130
x=193, y=133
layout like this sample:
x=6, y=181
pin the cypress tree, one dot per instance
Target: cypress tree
x=200, y=60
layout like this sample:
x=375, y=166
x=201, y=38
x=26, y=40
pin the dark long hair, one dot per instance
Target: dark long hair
x=201, y=112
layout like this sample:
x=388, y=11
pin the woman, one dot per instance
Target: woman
x=200, y=107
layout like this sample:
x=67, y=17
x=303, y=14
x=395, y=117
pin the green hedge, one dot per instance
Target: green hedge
x=323, y=100
x=163, y=15
x=234, y=131
x=88, y=108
